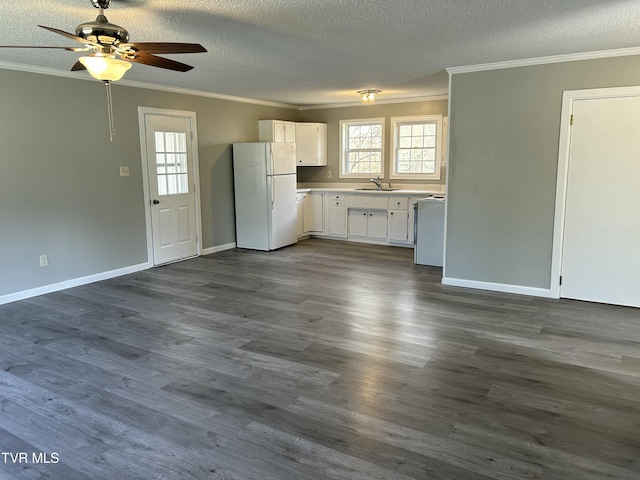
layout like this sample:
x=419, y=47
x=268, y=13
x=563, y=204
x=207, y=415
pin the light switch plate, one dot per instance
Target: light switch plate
x=124, y=171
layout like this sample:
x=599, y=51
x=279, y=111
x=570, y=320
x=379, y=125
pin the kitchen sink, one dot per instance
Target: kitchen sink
x=374, y=189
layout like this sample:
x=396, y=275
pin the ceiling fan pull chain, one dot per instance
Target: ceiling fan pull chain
x=112, y=130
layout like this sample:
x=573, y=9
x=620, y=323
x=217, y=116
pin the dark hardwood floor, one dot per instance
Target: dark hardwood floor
x=324, y=360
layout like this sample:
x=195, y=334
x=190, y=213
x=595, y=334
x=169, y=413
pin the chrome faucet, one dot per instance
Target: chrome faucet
x=377, y=182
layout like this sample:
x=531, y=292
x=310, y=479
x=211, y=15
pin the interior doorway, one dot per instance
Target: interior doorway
x=170, y=179
x=596, y=254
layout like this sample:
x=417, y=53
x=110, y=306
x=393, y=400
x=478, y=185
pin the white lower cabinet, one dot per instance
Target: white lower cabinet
x=357, y=220
x=371, y=224
x=300, y=207
x=313, y=212
x=398, y=226
x=358, y=216
x=337, y=215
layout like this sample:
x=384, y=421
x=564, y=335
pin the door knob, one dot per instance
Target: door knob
x=156, y=202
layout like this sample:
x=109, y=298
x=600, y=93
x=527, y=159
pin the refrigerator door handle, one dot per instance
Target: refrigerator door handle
x=272, y=163
x=273, y=192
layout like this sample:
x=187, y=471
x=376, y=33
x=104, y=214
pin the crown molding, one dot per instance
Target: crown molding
x=185, y=91
x=527, y=62
x=360, y=103
x=132, y=83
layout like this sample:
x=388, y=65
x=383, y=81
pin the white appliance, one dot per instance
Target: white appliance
x=428, y=231
x=264, y=177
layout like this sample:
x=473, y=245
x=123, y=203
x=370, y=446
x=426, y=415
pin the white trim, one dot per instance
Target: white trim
x=191, y=116
x=75, y=282
x=446, y=184
x=342, y=159
x=393, y=147
x=527, y=62
x=427, y=98
x=218, y=248
x=132, y=83
x=568, y=99
x=497, y=287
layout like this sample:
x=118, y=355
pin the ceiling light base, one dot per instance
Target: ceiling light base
x=369, y=94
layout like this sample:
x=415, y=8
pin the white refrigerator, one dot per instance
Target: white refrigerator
x=264, y=177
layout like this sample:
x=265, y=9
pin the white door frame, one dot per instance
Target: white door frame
x=142, y=112
x=568, y=98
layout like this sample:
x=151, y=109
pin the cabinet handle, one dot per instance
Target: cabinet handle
x=365, y=214
x=391, y=213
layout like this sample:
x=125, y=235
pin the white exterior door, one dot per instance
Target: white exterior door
x=601, y=248
x=171, y=187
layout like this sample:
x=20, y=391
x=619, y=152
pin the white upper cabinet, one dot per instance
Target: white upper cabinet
x=311, y=144
x=276, y=131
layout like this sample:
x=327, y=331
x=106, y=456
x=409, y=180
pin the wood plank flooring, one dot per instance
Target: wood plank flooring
x=324, y=360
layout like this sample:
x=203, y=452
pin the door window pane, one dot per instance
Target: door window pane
x=171, y=163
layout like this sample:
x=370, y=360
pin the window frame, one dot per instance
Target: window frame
x=344, y=125
x=396, y=123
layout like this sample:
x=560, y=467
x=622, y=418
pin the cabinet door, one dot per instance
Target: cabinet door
x=289, y=132
x=313, y=212
x=311, y=144
x=357, y=220
x=398, y=226
x=338, y=221
x=278, y=132
x=299, y=205
x=307, y=143
x=377, y=224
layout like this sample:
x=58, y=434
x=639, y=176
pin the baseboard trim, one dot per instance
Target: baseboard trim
x=498, y=287
x=74, y=282
x=218, y=248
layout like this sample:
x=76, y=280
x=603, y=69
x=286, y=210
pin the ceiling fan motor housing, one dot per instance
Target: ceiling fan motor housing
x=100, y=3
x=102, y=32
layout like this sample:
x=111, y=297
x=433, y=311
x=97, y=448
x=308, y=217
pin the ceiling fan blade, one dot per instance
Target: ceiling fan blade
x=163, y=47
x=69, y=35
x=154, y=61
x=78, y=66
x=70, y=49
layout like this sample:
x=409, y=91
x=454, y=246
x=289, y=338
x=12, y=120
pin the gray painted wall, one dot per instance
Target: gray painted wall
x=60, y=189
x=504, y=127
x=332, y=117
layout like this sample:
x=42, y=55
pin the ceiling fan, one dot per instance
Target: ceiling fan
x=112, y=53
x=108, y=41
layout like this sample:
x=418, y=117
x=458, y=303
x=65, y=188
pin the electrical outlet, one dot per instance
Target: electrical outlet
x=44, y=260
x=124, y=171
x=328, y=173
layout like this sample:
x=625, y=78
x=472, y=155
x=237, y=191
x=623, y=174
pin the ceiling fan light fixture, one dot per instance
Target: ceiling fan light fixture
x=369, y=94
x=104, y=68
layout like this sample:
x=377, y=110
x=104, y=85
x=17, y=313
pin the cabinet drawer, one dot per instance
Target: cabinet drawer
x=398, y=203
x=368, y=201
x=337, y=203
x=336, y=196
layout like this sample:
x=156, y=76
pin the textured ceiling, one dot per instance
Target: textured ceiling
x=306, y=52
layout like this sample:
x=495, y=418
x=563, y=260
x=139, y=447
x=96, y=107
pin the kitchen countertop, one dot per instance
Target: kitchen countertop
x=413, y=193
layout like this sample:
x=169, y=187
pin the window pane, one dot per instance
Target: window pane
x=162, y=184
x=363, y=148
x=171, y=163
x=183, y=186
x=160, y=163
x=416, y=147
x=182, y=162
x=159, y=141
